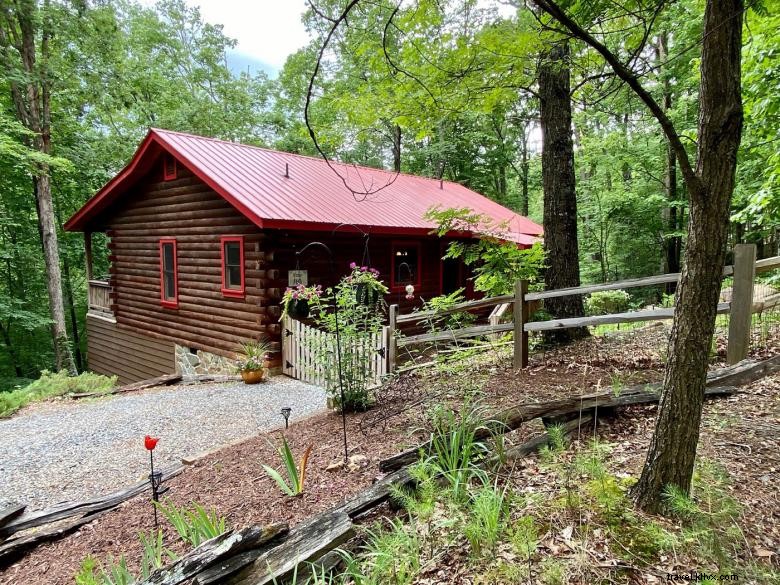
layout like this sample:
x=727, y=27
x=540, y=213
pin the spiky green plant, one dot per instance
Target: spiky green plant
x=194, y=525
x=295, y=474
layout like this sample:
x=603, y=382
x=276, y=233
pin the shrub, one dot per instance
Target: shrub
x=51, y=384
x=296, y=475
x=456, y=320
x=606, y=302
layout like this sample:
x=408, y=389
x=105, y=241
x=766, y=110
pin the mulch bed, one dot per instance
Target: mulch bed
x=233, y=481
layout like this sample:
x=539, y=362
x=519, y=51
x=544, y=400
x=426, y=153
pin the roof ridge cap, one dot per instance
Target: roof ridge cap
x=305, y=156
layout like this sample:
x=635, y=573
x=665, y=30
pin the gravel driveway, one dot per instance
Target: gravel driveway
x=71, y=450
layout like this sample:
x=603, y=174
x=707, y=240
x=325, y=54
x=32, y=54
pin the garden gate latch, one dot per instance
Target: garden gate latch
x=381, y=351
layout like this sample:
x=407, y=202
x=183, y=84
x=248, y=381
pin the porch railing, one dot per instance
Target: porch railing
x=99, y=297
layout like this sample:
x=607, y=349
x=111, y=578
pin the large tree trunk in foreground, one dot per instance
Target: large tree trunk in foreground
x=32, y=102
x=670, y=459
x=560, y=198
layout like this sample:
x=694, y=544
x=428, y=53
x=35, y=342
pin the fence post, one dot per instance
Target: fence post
x=520, y=317
x=741, y=310
x=392, y=316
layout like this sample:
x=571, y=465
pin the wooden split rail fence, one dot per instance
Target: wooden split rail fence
x=741, y=307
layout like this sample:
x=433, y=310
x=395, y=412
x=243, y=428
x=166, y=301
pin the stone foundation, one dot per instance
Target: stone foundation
x=202, y=362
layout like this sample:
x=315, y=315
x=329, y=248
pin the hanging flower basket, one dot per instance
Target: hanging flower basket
x=364, y=295
x=298, y=308
x=297, y=302
x=368, y=288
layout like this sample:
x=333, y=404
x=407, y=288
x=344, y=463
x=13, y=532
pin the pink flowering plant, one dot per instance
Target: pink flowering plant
x=365, y=277
x=310, y=294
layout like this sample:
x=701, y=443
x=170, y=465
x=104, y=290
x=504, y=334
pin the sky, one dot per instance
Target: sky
x=267, y=31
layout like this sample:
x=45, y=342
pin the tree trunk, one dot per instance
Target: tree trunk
x=524, y=168
x=672, y=452
x=397, y=148
x=673, y=243
x=32, y=103
x=560, y=198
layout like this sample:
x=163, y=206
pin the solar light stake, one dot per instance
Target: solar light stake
x=286, y=414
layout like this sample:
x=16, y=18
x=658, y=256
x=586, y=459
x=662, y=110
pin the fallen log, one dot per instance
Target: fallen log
x=81, y=509
x=10, y=512
x=511, y=418
x=165, y=380
x=213, y=551
x=533, y=445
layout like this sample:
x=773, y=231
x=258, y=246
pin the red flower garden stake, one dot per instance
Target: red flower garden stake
x=154, y=478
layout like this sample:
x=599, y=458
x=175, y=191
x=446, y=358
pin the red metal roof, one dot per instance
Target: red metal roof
x=312, y=197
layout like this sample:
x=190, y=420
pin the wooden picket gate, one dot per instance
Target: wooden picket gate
x=303, y=344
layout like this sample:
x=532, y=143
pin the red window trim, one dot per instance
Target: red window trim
x=417, y=277
x=232, y=292
x=174, y=173
x=174, y=303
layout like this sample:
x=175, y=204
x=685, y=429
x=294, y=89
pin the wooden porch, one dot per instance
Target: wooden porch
x=99, y=298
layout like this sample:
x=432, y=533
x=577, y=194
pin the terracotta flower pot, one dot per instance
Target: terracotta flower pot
x=252, y=376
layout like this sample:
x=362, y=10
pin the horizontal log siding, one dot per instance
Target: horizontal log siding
x=189, y=211
x=128, y=354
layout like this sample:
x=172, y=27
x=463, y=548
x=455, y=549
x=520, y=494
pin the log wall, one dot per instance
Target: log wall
x=189, y=211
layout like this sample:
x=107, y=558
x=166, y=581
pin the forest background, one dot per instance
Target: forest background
x=444, y=91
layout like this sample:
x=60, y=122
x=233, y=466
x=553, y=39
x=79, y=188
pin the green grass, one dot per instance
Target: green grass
x=50, y=385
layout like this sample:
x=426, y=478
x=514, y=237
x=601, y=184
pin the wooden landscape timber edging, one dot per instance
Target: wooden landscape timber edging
x=569, y=428
x=76, y=514
x=305, y=543
x=10, y=512
x=211, y=552
x=165, y=380
x=719, y=383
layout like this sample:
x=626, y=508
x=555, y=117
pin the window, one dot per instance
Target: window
x=406, y=265
x=169, y=286
x=169, y=168
x=233, y=266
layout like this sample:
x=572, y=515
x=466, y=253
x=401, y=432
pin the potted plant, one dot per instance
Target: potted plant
x=368, y=288
x=297, y=301
x=253, y=366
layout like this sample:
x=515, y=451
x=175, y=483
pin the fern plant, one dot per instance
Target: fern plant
x=295, y=474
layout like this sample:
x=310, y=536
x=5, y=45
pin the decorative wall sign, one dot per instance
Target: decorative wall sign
x=296, y=277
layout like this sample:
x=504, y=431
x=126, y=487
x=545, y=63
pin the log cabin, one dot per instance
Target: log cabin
x=202, y=239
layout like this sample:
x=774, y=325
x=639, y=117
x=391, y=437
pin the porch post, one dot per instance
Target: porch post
x=88, y=253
